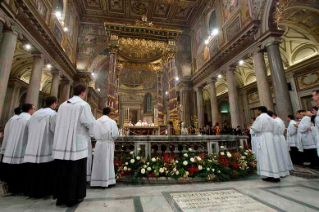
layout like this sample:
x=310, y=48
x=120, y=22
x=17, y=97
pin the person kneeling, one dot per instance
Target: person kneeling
x=105, y=132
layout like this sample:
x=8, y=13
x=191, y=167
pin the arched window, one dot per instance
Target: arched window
x=148, y=103
x=212, y=21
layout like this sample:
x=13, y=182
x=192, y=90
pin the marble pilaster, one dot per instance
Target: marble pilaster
x=35, y=80
x=246, y=107
x=172, y=87
x=233, y=96
x=213, y=101
x=55, y=83
x=264, y=91
x=7, y=48
x=160, y=98
x=65, y=91
x=282, y=96
x=200, y=107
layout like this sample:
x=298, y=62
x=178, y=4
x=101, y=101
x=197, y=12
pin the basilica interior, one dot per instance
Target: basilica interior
x=193, y=61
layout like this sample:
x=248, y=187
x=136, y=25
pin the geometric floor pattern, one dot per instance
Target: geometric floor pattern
x=292, y=194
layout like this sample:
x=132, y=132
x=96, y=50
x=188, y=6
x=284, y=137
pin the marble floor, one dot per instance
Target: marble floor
x=293, y=194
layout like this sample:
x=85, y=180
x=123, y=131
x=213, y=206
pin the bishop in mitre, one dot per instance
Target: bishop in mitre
x=74, y=127
x=267, y=162
x=38, y=154
x=105, y=132
x=14, y=150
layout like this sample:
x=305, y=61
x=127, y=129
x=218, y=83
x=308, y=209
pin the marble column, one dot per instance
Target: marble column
x=283, y=102
x=185, y=92
x=172, y=88
x=200, y=107
x=233, y=96
x=264, y=91
x=213, y=101
x=113, y=82
x=55, y=83
x=65, y=91
x=35, y=80
x=246, y=108
x=160, y=100
x=7, y=47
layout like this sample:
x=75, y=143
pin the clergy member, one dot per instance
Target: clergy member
x=267, y=163
x=38, y=154
x=292, y=139
x=105, y=132
x=15, y=149
x=282, y=148
x=315, y=98
x=254, y=141
x=307, y=139
x=74, y=126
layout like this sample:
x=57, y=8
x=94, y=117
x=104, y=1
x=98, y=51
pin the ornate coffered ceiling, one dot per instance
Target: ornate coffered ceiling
x=173, y=13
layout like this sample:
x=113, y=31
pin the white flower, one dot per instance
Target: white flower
x=185, y=163
x=129, y=169
x=126, y=163
x=166, y=172
x=144, y=166
x=176, y=161
x=138, y=149
x=245, y=153
x=208, y=169
x=186, y=173
x=192, y=160
x=218, y=171
x=132, y=161
x=241, y=147
x=148, y=163
x=228, y=154
x=138, y=158
x=243, y=157
x=165, y=168
x=143, y=171
x=198, y=158
x=149, y=169
x=161, y=170
x=131, y=152
x=189, y=149
x=185, y=155
x=213, y=170
x=153, y=159
x=177, y=172
x=200, y=167
x=125, y=168
x=222, y=147
x=222, y=153
x=174, y=170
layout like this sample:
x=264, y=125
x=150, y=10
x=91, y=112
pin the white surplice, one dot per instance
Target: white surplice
x=254, y=142
x=41, y=134
x=17, y=139
x=105, y=132
x=74, y=126
x=89, y=162
x=316, y=132
x=285, y=163
x=306, y=136
x=267, y=163
x=292, y=131
x=6, y=133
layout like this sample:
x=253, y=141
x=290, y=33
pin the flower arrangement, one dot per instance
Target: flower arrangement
x=223, y=166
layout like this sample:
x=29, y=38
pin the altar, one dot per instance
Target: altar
x=140, y=130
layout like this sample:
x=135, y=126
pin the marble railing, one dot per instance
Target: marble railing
x=154, y=145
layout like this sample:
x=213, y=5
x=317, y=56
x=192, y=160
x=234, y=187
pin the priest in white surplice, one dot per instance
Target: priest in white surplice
x=74, y=126
x=292, y=139
x=105, y=132
x=15, y=149
x=307, y=139
x=38, y=154
x=267, y=162
x=282, y=149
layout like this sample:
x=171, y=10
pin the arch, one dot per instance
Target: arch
x=211, y=21
x=267, y=21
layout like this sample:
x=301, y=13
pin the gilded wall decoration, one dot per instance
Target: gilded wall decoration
x=233, y=29
x=71, y=28
x=137, y=79
x=307, y=81
x=57, y=33
x=229, y=8
x=139, y=8
x=245, y=10
x=41, y=8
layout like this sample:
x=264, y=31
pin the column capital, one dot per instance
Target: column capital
x=65, y=82
x=37, y=55
x=114, y=49
x=55, y=71
x=213, y=81
x=255, y=50
x=271, y=41
x=231, y=68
